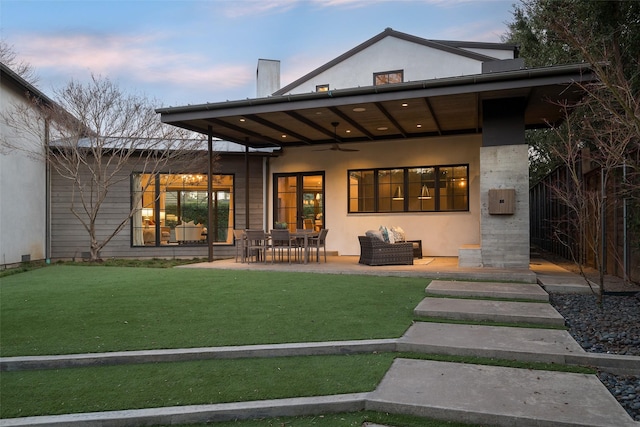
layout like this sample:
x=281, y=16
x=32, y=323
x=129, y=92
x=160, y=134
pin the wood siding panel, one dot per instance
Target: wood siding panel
x=69, y=239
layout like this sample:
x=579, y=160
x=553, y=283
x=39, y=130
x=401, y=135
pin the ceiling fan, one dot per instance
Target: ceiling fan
x=336, y=146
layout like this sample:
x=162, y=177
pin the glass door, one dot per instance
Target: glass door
x=299, y=201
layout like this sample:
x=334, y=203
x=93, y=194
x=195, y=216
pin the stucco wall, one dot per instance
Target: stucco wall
x=441, y=233
x=22, y=191
x=418, y=62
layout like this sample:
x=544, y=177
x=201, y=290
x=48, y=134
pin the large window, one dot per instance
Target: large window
x=173, y=209
x=421, y=189
x=388, y=77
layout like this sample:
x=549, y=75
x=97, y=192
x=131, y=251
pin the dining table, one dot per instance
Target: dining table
x=303, y=237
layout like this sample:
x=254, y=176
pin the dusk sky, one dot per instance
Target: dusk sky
x=183, y=52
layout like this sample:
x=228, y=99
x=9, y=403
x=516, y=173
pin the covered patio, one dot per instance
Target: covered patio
x=477, y=121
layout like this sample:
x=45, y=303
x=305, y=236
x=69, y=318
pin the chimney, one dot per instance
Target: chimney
x=268, y=77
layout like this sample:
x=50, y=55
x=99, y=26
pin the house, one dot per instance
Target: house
x=401, y=131
x=36, y=222
x=23, y=178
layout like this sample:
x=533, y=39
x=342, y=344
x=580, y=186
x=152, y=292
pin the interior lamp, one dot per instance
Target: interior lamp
x=424, y=193
x=147, y=212
x=397, y=195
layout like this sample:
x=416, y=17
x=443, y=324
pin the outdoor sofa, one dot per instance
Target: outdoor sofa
x=374, y=251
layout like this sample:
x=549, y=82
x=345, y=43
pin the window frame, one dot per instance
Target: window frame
x=387, y=74
x=405, y=187
x=157, y=189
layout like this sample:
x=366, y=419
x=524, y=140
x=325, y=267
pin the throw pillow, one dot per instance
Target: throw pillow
x=385, y=233
x=374, y=234
x=399, y=234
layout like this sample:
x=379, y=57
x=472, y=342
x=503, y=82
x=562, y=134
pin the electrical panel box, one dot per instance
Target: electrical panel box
x=502, y=201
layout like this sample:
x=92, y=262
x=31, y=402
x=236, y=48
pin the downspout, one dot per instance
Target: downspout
x=265, y=189
x=603, y=222
x=210, y=194
x=625, y=242
x=246, y=187
x=47, y=181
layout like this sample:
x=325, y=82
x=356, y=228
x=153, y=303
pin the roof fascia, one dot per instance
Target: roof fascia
x=25, y=85
x=450, y=48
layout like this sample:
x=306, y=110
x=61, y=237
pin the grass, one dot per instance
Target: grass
x=29, y=393
x=355, y=419
x=65, y=309
x=50, y=392
x=112, y=262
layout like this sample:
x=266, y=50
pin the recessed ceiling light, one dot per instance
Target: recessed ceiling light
x=404, y=104
x=284, y=136
x=242, y=119
x=359, y=109
x=348, y=131
x=418, y=125
x=383, y=128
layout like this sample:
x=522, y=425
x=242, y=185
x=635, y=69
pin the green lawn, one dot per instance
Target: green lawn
x=65, y=309
x=50, y=392
x=340, y=420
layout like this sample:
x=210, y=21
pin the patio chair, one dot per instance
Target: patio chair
x=239, y=239
x=281, y=240
x=319, y=242
x=256, y=243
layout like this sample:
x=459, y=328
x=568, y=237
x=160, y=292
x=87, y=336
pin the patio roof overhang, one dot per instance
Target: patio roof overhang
x=446, y=106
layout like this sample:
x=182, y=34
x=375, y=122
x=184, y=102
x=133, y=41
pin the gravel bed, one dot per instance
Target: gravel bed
x=612, y=328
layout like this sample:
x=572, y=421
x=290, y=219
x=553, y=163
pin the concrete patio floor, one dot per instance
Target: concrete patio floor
x=428, y=267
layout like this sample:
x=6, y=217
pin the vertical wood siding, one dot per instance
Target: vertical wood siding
x=70, y=240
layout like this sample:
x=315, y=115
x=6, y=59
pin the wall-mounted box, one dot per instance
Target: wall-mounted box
x=502, y=201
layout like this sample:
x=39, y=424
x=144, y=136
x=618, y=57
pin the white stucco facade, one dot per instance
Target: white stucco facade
x=417, y=61
x=442, y=233
x=22, y=189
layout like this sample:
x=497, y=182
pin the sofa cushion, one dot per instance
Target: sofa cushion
x=376, y=234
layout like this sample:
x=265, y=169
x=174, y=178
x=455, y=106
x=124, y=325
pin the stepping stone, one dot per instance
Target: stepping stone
x=486, y=310
x=493, y=395
x=528, y=291
x=500, y=342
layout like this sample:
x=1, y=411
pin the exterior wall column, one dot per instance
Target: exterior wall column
x=504, y=164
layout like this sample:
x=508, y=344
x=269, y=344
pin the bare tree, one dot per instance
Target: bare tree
x=9, y=58
x=609, y=117
x=97, y=132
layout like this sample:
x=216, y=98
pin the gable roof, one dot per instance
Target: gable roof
x=450, y=46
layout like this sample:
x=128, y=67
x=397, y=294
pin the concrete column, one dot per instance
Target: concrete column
x=504, y=164
x=505, y=238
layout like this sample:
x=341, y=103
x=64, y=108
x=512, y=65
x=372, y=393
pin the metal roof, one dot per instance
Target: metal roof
x=425, y=108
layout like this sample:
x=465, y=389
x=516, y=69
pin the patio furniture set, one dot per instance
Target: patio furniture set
x=255, y=244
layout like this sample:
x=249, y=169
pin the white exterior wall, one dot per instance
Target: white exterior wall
x=389, y=54
x=494, y=53
x=442, y=233
x=22, y=193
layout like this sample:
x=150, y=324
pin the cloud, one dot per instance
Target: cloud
x=240, y=9
x=143, y=59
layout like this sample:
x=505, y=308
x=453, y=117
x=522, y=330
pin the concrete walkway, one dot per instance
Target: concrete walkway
x=479, y=394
